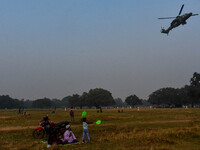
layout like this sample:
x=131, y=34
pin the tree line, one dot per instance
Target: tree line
x=94, y=98
x=164, y=97
x=187, y=95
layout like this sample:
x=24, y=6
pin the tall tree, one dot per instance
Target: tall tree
x=84, y=98
x=28, y=103
x=100, y=97
x=194, y=89
x=133, y=100
x=7, y=102
x=56, y=103
x=119, y=102
x=42, y=103
x=182, y=97
x=195, y=80
x=169, y=96
x=162, y=96
x=65, y=101
x=74, y=100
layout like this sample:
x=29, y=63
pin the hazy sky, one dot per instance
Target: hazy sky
x=56, y=48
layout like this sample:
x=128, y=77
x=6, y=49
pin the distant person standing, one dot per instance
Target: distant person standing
x=19, y=110
x=100, y=109
x=71, y=112
x=24, y=111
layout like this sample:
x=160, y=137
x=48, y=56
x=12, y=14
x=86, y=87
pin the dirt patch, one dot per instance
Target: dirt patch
x=107, y=124
x=16, y=128
x=4, y=117
x=167, y=121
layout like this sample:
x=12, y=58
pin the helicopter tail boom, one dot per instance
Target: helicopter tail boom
x=195, y=14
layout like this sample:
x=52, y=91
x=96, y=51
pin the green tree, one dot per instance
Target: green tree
x=84, y=98
x=42, y=103
x=133, y=100
x=169, y=96
x=28, y=103
x=65, y=101
x=195, y=80
x=194, y=89
x=74, y=100
x=100, y=97
x=119, y=102
x=7, y=102
x=182, y=97
x=56, y=103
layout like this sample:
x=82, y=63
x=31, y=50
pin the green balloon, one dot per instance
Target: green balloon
x=98, y=122
x=84, y=113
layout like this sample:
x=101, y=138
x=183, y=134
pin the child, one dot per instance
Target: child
x=85, y=129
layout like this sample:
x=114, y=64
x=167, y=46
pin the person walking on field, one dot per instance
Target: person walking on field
x=72, y=114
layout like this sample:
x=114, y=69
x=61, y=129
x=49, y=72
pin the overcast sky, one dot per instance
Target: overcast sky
x=56, y=48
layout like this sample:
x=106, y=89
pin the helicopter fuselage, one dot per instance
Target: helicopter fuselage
x=180, y=20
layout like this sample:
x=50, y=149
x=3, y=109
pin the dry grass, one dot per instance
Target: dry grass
x=147, y=129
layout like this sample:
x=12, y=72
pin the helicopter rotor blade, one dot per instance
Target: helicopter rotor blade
x=181, y=10
x=167, y=18
x=195, y=14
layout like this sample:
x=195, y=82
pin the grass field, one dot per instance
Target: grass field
x=147, y=129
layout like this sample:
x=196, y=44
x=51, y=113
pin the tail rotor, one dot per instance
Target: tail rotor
x=164, y=31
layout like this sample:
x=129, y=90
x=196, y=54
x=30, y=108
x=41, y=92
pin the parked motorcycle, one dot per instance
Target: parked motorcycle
x=47, y=127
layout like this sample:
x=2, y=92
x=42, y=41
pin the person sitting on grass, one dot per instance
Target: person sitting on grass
x=69, y=136
x=85, y=129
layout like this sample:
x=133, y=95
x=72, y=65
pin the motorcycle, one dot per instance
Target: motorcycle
x=47, y=128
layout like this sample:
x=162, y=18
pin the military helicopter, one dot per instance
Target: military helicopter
x=177, y=21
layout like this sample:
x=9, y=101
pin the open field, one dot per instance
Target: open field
x=148, y=129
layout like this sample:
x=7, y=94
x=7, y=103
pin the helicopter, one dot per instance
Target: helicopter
x=177, y=21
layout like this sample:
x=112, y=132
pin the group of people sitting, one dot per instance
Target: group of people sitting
x=69, y=136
